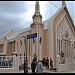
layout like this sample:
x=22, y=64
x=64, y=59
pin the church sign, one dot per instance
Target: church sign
x=32, y=36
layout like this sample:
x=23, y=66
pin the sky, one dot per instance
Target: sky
x=17, y=15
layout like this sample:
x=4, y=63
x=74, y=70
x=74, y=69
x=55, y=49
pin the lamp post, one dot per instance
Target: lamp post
x=25, y=62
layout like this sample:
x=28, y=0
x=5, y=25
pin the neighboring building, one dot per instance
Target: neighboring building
x=54, y=36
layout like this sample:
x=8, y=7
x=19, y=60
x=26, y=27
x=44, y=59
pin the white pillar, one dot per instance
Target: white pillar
x=16, y=62
x=58, y=62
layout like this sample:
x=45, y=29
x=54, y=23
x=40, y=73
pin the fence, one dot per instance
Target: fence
x=13, y=64
x=6, y=62
x=64, y=66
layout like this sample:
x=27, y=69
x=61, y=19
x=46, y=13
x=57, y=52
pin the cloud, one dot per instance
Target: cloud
x=10, y=14
x=71, y=8
x=15, y=7
x=17, y=15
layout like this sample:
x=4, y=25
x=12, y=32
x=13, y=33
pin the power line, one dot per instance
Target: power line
x=55, y=5
x=59, y=8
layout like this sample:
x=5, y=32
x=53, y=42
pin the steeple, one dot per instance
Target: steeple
x=63, y=3
x=37, y=6
x=37, y=18
x=37, y=27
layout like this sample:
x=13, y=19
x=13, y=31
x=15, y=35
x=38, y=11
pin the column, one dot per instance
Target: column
x=68, y=51
x=57, y=62
x=72, y=54
x=15, y=62
x=60, y=47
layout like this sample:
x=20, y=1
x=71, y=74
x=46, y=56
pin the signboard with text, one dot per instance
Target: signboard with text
x=32, y=36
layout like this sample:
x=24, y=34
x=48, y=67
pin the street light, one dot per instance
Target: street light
x=25, y=62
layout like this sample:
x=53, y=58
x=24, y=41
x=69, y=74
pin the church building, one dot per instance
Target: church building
x=55, y=36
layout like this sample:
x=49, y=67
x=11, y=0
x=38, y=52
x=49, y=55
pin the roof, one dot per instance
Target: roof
x=51, y=19
x=46, y=22
x=14, y=35
x=6, y=33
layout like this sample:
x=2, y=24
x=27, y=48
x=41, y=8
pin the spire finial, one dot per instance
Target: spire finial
x=63, y=3
x=37, y=6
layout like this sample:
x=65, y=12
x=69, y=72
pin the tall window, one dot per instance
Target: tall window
x=33, y=40
x=21, y=42
x=2, y=48
x=59, y=47
x=24, y=56
x=20, y=56
x=40, y=39
x=74, y=44
x=65, y=49
x=12, y=47
x=17, y=44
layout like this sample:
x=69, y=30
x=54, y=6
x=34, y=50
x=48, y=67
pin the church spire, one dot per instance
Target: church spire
x=63, y=3
x=37, y=17
x=37, y=6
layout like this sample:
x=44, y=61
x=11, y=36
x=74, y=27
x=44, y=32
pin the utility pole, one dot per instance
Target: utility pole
x=25, y=62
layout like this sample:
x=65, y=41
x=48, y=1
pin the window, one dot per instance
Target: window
x=59, y=47
x=33, y=40
x=21, y=42
x=17, y=44
x=20, y=56
x=40, y=39
x=65, y=49
x=74, y=44
x=24, y=56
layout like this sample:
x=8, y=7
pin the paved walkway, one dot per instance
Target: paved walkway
x=48, y=71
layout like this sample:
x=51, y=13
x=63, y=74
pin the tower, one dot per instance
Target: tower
x=63, y=3
x=37, y=27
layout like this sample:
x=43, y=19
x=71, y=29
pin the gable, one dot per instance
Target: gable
x=59, y=17
x=62, y=27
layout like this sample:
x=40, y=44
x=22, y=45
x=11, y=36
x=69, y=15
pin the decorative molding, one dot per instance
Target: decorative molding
x=66, y=34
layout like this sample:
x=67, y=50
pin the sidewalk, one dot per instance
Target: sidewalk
x=48, y=71
x=44, y=71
